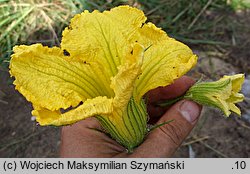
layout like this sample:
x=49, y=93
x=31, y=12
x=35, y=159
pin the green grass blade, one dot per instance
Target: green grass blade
x=13, y=25
x=10, y=18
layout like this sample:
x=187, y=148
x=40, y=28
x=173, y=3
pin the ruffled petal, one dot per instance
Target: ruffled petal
x=51, y=80
x=132, y=24
x=91, y=107
x=164, y=62
x=97, y=37
x=106, y=37
x=129, y=19
x=149, y=35
x=123, y=82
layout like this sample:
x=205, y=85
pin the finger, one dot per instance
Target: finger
x=163, y=141
x=178, y=88
x=83, y=139
x=73, y=135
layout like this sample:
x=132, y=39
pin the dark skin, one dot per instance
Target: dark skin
x=82, y=140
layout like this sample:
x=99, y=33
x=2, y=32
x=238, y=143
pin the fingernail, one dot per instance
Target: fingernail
x=190, y=111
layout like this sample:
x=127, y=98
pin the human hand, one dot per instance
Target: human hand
x=83, y=139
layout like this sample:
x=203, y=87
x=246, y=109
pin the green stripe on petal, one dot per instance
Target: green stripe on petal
x=163, y=63
x=51, y=80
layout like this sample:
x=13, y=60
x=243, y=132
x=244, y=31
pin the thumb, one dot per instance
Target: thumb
x=164, y=140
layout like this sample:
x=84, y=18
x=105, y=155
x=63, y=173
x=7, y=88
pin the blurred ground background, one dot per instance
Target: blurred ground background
x=217, y=30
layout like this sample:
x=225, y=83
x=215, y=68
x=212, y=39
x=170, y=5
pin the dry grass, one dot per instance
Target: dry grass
x=20, y=19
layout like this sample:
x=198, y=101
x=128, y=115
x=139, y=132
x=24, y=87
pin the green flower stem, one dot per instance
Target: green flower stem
x=188, y=96
x=170, y=102
x=131, y=129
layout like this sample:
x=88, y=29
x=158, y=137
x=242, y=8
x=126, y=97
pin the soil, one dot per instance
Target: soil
x=19, y=135
x=214, y=136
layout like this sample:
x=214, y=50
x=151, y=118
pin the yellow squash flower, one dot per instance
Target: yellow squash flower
x=105, y=64
x=222, y=94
